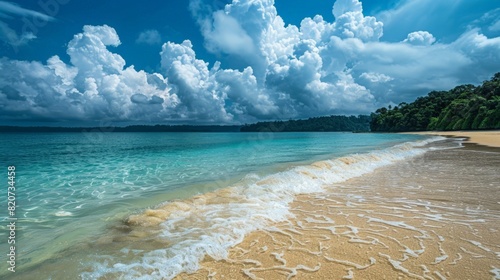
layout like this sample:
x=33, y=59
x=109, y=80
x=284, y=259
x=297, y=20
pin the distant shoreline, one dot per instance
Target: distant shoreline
x=131, y=128
x=317, y=124
x=489, y=138
x=148, y=129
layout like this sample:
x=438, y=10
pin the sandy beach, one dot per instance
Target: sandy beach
x=486, y=138
x=436, y=216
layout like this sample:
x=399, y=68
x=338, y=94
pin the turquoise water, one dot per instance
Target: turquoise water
x=71, y=186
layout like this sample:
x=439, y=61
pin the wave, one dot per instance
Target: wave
x=210, y=224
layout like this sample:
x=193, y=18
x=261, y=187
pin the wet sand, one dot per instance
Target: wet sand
x=436, y=216
x=487, y=137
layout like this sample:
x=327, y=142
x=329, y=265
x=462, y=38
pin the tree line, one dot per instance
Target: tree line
x=466, y=107
x=330, y=123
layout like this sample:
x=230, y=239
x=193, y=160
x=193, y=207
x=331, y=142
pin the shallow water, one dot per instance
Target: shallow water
x=77, y=193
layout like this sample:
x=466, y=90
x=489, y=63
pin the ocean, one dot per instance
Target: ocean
x=152, y=205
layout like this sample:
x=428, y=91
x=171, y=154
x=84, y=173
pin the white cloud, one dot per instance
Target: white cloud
x=483, y=54
x=446, y=20
x=342, y=7
x=95, y=86
x=489, y=21
x=495, y=26
x=247, y=100
x=193, y=82
x=212, y=94
x=375, y=77
x=150, y=37
x=288, y=61
x=15, y=9
x=418, y=14
x=420, y=38
x=88, y=51
x=351, y=23
x=317, y=68
x=8, y=34
x=228, y=36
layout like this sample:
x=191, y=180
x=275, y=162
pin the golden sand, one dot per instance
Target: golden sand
x=487, y=138
x=434, y=217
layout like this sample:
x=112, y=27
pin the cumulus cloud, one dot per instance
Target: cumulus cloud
x=194, y=83
x=289, y=61
x=420, y=38
x=351, y=23
x=149, y=37
x=95, y=86
x=375, y=77
x=316, y=68
x=228, y=36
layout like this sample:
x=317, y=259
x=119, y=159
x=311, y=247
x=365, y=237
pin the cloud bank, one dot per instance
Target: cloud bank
x=317, y=68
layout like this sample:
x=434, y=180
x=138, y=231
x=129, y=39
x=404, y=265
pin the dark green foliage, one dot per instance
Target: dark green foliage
x=465, y=107
x=331, y=123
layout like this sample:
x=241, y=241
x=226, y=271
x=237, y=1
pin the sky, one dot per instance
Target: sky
x=71, y=62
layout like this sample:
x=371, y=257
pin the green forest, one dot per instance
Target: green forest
x=465, y=107
x=330, y=123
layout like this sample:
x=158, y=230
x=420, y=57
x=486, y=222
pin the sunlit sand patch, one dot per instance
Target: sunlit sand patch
x=487, y=138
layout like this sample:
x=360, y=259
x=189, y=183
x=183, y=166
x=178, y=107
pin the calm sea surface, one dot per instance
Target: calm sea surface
x=71, y=187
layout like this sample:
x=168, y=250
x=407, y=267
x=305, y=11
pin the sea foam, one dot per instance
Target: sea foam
x=210, y=224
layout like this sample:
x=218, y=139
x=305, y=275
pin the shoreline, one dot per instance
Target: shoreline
x=357, y=229
x=436, y=216
x=489, y=138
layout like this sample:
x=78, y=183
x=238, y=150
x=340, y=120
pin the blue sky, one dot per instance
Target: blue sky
x=70, y=62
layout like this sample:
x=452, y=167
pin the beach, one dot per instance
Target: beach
x=486, y=138
x=435, y=216
x=283, y=206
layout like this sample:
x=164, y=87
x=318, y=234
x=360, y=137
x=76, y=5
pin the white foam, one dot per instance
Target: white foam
x=439, y=275
x=63, y=214
x=440, y=259
x=455, y=261
x=350, y=274
x=479, y=245
x=397, y=266
x=213, y=228
x=443, y=256
x=496, y=273
x=349, y=263
x=325, y=220
x=292, y=271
